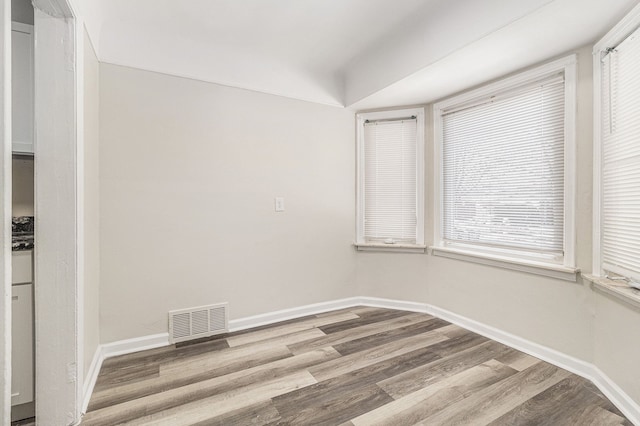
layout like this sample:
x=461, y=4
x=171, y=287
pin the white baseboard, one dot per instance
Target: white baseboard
x=545, y=353
x=123, y=347
x=292, y=313
x=618, y=397
x=109, y=350
x=401, y=305
x=137, y=344
x=91, y=378
x=552, y=356
x=629, y=407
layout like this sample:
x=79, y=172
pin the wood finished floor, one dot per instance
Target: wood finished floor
x=357, y=366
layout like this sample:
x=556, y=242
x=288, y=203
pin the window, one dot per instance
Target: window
x=617, y=159
x=505, y=163
x=391, y=180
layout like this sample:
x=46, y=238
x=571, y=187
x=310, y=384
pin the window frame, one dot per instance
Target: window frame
x=360, y=243
x=615, y=36
x=563, y=268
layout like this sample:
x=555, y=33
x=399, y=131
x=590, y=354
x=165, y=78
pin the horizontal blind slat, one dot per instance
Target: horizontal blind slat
x=390, y=180
x=621, y=158
x=503, y=171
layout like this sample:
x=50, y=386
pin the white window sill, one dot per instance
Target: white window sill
x=617, y=289
x=533, y=267
x=397, y=248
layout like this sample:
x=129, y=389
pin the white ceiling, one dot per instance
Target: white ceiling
x=356, y=53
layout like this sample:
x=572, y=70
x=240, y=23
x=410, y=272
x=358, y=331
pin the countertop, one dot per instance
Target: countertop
x=22, y=229
x=22, y=242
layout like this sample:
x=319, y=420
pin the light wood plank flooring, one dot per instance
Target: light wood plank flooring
x=357, y=366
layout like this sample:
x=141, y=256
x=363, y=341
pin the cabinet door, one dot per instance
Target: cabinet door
x=22, y=383
x=22, y=86
x=22, y=267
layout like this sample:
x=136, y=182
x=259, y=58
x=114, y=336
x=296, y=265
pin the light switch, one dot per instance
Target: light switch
x=279, y=204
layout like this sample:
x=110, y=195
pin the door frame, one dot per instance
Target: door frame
x=5, y=211
x=58, y=33
x=58, y=211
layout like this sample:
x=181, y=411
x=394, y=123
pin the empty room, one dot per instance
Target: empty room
x=320, y=212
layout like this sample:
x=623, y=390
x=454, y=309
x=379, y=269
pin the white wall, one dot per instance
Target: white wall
x=188, y=172
x=551, y=312
x=616, y=343
x=91, y=204
x=569, y=317
x=188, y=175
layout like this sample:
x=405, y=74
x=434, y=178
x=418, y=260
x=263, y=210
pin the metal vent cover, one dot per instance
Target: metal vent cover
x=201, y=321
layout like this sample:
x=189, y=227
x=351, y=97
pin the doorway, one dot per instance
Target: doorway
x=58, y=266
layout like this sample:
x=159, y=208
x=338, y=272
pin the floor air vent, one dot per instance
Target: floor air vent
x=194, y=323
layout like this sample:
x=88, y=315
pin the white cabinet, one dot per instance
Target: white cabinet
x=22, y=359
x=22, y=85
x=22, y=267
x=22, y=383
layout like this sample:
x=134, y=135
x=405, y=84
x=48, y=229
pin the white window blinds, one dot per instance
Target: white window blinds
x=390, y=180
x=621, y=159
x=503, y=170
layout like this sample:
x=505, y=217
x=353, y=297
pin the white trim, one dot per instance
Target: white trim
x=570, y=113
x=519, y=79
x=568, y=66
x=360, y=167
x=80, y=208
x=92, y=377
x=617, y=289
x=617, y=34
x=532, y=267
x=544, y=353
x=5, y=213
x=438, y=135
x=109, y=350
x=56, y=8
x=292, y=313
x=620, y=31
x=629, y=407
x=421, y=184
x=402, y=305
x=398, y=248
x=618, y=397
x=596, y=266
x=123, y=347
x=136, y=344
x=58, y=339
